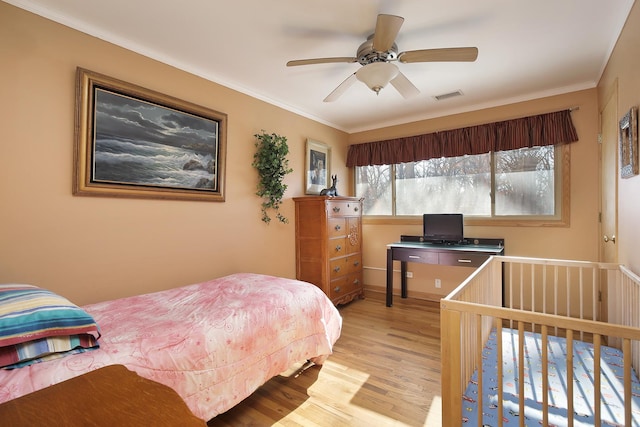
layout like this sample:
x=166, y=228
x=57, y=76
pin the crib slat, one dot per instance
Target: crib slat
x=520, y=372
x=570, y=378
x=626, y=350
x=581, y=283
x=597, y=372
x=594, y=297
x=555, y=294
x=568, y=291
x=451, y=363
x=521, y=306
x=479, y=365
x=545, y=378
x=544, y=289
x=511, y=283
x=533, y=293
x=499, y=379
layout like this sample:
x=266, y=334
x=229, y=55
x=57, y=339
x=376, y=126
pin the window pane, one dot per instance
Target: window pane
x=374, y=184
x=445, y=185
x=525, y=181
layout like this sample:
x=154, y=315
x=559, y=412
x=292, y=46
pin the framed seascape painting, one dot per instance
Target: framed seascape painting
x=629, y=144
x=318, y=163
x=135, y=142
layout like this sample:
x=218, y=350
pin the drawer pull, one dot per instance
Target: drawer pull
x=336, y=209
x=338, y=248
x=356, y=282
x=337, y=227
x=355, y=209
x=356, y=263
x=466, y=261
x=337, y=269
x=414, y=257
x=337, y=289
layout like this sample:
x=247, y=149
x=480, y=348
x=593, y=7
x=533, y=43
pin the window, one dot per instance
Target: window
x=512, y=184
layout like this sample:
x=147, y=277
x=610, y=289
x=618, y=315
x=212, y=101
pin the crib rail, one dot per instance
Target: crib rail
x=578, y=300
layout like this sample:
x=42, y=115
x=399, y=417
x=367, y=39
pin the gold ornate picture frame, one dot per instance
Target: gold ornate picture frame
x=629, y=144
x=138, y=143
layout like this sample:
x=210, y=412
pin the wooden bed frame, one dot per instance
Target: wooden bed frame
x=109, y=396
x=589, y=301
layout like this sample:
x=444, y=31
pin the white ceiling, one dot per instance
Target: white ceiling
x=527, y=48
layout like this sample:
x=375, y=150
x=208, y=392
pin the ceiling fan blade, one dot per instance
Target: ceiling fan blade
x=387, y=28
x=342, y=88
x=321, y=61
x=452, y=54
x=404, y=86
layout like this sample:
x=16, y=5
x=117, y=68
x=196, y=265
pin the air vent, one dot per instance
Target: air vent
x=448, y=95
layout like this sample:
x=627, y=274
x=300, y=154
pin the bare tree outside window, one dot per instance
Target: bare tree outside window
x=453, y=184
x=524, y=185
x=525, y=181
x=373, y=183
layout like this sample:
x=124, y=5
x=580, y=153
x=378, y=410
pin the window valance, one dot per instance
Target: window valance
x=544, y=129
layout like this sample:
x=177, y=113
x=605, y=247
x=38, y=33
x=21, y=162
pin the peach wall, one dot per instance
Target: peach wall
x=623, y=66
x=91, y=249
x=577, y=241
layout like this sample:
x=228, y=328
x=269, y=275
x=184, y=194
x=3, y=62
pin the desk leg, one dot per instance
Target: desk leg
x=403, y=279
x=389, y=277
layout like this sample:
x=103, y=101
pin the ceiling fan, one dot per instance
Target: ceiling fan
x=376, y=55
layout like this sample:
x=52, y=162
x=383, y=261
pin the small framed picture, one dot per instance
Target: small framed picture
x=318, y=167
x=629, y=144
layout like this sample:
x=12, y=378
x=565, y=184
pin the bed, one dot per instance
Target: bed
x=106, y=397
x=528, y=341
x=214, y=343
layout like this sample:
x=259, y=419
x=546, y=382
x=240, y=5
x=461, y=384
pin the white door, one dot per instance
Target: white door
x=608, y=192
x=609, y=179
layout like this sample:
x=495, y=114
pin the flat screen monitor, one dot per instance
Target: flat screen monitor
x=446, y=228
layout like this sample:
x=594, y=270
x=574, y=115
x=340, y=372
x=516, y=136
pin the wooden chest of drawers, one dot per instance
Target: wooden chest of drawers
x=329, y=245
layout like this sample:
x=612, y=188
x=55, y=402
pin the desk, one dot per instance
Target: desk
x=471, y=253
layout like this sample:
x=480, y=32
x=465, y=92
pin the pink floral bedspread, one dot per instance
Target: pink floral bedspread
x=214, y=343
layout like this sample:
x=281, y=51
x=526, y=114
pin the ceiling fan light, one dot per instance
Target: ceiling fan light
x=377, y=75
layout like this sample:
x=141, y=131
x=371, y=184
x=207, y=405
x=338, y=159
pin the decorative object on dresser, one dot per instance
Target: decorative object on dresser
x=331, y=191
x=329, y=245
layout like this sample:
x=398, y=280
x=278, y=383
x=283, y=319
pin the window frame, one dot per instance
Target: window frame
x=562, y=202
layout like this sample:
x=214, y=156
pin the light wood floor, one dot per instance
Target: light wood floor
x=385, y=371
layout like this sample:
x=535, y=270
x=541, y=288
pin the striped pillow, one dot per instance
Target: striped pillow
x=35, y=323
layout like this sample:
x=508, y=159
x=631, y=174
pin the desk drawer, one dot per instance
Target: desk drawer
x=410, y=255
x=461, y=259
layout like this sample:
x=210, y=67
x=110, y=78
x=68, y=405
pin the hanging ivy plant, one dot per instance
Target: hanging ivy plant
x=271, y=162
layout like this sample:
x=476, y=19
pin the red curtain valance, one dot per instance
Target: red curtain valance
x=544, y=129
